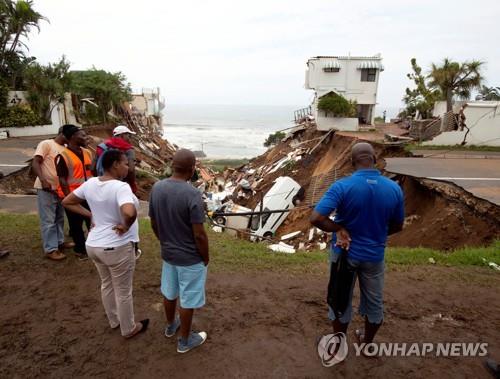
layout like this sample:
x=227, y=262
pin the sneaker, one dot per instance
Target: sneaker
x=55, y=255
x=138, y=253
x=171, y=329
x=82, y=256
x=194, y=340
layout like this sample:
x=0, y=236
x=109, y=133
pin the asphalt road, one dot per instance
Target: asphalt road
x=481, y=177
x=15, y=152
x=26, y=204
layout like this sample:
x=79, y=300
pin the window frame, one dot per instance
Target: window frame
x=369, y=75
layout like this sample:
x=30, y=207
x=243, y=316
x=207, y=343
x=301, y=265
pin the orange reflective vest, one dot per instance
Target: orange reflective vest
x=78, y=173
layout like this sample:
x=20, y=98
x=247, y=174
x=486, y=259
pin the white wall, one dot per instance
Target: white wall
x=59, y=117
x=340, y=123
x=25, y=131
x=483, y=120
x=16, y=98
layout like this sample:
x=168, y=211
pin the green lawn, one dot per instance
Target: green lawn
x=229, y=254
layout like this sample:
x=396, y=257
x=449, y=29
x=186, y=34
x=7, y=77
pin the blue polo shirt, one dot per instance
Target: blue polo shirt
x=365, y=203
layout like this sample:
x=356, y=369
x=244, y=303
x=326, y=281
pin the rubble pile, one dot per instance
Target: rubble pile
x=152, y=153
x=439, y=215
x=313, y=159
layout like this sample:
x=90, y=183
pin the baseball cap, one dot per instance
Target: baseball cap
x=122, y=129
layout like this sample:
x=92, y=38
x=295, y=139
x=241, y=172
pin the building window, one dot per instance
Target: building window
x=331, y=69
x=368, y=74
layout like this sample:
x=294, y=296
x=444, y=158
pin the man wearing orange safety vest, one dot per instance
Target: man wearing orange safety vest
x=73, y=169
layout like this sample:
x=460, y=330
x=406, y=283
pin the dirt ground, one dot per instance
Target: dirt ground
x=259, y=324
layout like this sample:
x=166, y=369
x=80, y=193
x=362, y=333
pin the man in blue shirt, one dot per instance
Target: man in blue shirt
x=368, y=207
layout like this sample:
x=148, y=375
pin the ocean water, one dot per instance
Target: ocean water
x=225, y=131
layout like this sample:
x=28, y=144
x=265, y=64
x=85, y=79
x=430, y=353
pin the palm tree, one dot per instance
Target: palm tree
x=17, y=19
x=456, y=79
x=489, y=93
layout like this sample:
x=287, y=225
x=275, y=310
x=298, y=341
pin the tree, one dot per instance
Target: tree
x=456, y=79
x=274, y=138
x=17, y=19
x=421, y=98
x=106, y=89
x=489, y=93
x=337, y=105
x=46, y=83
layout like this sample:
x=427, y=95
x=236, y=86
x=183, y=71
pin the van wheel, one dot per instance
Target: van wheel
x=268, y=234
x=299, y=197
x=220, y=220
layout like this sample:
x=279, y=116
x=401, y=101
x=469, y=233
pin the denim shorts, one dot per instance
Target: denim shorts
x=186, y=283
x=371, y=286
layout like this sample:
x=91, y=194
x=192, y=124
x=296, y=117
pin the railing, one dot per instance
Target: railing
x=301, y=114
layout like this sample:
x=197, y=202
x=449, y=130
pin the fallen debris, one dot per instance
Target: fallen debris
x=282, y=248
x=291, y=235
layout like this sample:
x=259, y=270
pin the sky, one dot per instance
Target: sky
x=255, y=52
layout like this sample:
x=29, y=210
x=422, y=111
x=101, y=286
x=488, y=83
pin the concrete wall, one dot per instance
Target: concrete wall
x=339, y=123
x=61, y=114
x=483, y=120
x=16, y=98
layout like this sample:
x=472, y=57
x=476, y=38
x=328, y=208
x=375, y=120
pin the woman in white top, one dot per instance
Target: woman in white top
x=111, y=241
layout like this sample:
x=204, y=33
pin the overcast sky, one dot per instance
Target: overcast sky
x=254, y=52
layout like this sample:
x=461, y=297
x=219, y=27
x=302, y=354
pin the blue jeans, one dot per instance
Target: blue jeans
x=51, y=214
x=371, y=286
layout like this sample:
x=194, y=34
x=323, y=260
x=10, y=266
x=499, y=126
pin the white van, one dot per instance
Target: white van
x=283, y=195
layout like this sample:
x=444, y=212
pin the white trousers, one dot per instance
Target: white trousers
x=116, y=268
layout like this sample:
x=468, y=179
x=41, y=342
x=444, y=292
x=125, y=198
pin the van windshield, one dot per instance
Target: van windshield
x=256, y=220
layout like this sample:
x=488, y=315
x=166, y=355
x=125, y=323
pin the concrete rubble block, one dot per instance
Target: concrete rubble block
x=282, y=248
x=311, y=234
x=291, y=235
x=322, y=245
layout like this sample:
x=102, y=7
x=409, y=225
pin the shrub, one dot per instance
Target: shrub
x=20, y=115
x=274, y=138
x=337, y=105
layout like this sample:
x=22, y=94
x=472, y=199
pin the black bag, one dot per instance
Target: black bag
x=340, y=285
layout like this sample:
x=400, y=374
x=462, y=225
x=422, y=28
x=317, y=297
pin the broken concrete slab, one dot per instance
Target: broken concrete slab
x=291, y=235
x=282, y=247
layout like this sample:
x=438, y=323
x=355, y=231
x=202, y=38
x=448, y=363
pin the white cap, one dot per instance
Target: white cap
x=122, y=129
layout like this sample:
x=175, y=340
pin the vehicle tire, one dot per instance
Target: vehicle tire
x=220, y=220
x=299, y=197
x=268, y=234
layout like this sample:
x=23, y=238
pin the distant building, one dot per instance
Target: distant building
x=355, y=78
x=148, y=102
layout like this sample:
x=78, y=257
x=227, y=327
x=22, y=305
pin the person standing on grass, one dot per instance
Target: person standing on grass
x=73, y=169
x=50, y=209
x=111, y=241
x=177, y=215
x=368, y=208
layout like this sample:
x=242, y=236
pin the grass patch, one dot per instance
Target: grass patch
x=21, y=233
x=411, y=147
x=221, y=164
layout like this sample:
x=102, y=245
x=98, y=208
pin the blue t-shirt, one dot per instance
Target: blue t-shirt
x=365, y=203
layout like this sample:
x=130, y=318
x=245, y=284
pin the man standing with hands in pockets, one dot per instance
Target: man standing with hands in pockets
x=177, y=215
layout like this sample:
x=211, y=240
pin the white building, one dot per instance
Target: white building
x=355, y=78
x=148, y=102
x=483, y=120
